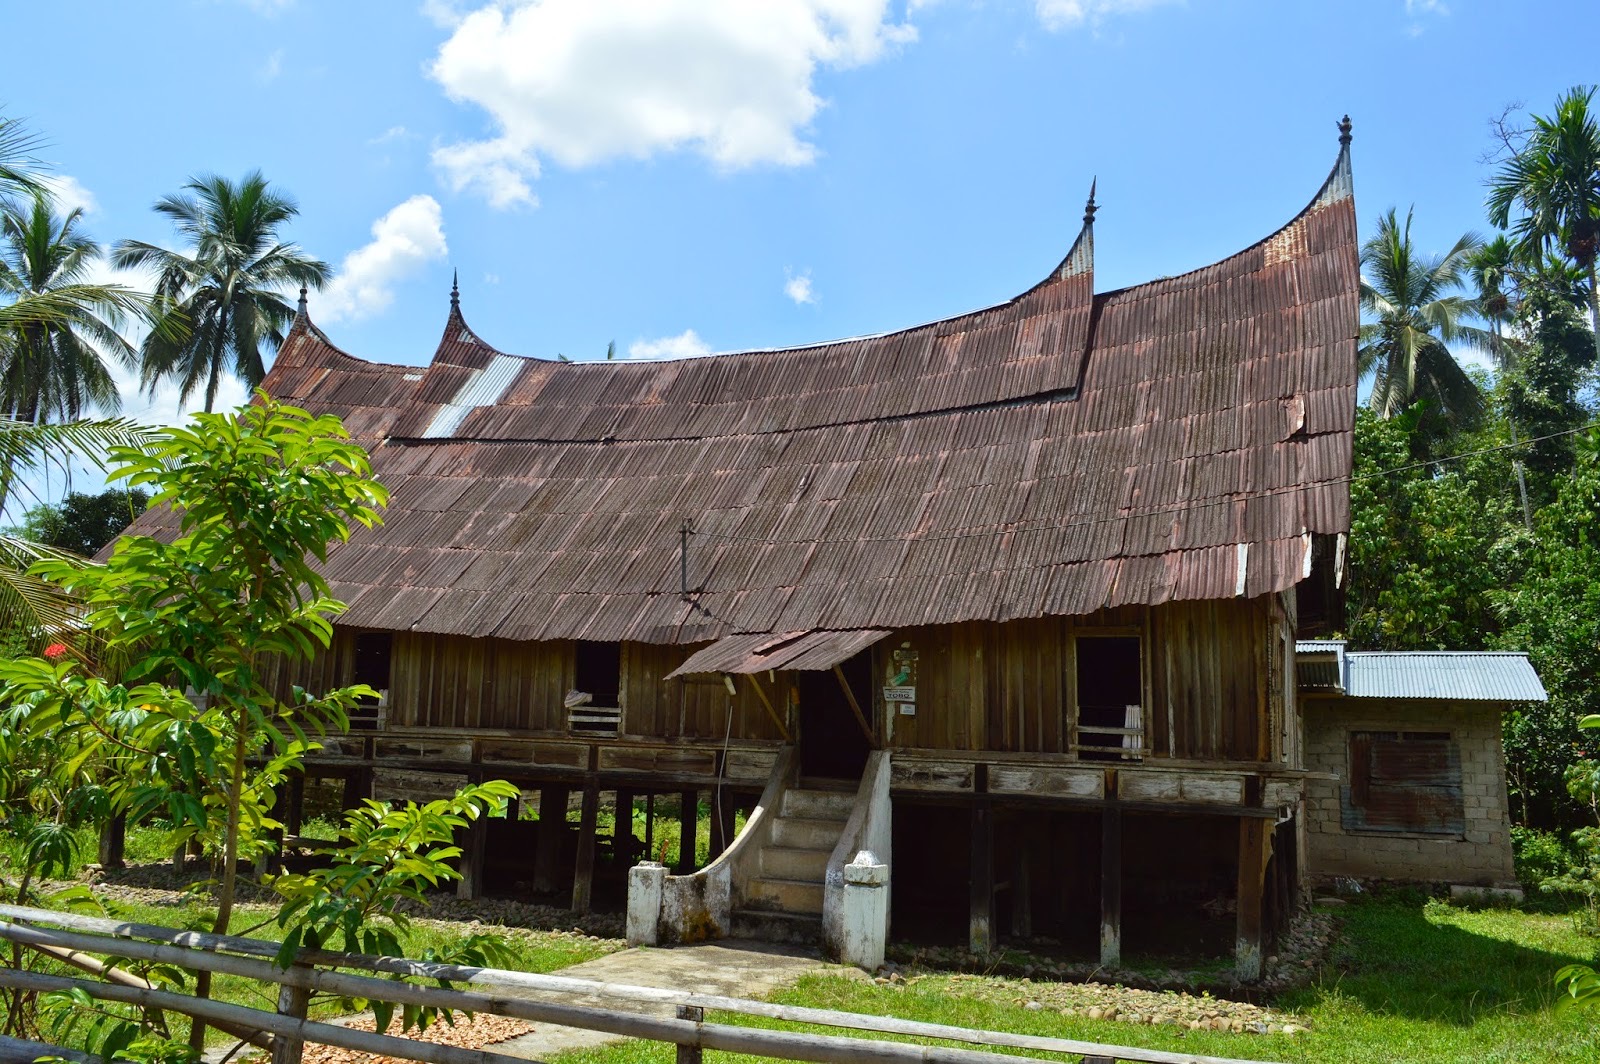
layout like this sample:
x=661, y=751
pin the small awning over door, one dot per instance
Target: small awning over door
x=803, y=651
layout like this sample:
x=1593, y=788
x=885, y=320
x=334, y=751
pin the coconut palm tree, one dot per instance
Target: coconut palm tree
x=1413, y=314
x=1490, y=269
x=1554, y=179
x=229, y=286
x=55, y=369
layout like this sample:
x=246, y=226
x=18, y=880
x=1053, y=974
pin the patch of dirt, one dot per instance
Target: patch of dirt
x=475, y=1033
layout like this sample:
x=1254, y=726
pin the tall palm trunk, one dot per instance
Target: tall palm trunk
x=1594, y=305
x=1516, y=448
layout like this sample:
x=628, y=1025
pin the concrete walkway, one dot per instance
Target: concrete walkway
x=730, y=967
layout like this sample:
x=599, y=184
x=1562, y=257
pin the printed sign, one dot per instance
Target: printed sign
x=908, y=709
x=899, y=694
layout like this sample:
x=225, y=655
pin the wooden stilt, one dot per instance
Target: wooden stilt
x=622, y=843
x=357, y=787
x=295, y=807
x=552, y=831
x=1255, y=850
x=1111, y=887
x=650, y=826
x=583, y=875
x=113, y=842
x=688, y=825
x=980, y=926
x=1022, y=894
x=470, y=886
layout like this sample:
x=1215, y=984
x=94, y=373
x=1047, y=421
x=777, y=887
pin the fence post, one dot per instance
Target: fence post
x=687, y=1054
x=292, y=1002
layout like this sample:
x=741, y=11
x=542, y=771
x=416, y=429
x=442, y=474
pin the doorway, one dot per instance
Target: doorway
x=831, y=743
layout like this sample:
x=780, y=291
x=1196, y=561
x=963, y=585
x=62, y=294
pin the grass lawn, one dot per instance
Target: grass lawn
x=1411, y=980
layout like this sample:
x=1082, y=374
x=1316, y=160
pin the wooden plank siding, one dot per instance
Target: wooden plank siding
x=1216, y=676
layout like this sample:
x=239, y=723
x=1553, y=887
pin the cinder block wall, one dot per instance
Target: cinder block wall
x=1481, y=858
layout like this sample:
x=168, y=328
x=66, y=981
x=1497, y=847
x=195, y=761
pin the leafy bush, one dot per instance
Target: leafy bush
x=1539, y=855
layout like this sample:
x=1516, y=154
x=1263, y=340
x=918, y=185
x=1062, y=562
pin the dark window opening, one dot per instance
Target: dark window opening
x=1110, y=697
x=598, y=672
x=1404, y=783
x=373, y=664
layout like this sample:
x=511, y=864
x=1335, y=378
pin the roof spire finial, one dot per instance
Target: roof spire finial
x=301, y=310
x=1089, y=208
x=1344, y=132
x=455, y=290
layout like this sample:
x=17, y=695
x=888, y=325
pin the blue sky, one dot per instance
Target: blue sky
x=721, y=174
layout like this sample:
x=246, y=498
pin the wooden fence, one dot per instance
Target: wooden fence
x=56, y=933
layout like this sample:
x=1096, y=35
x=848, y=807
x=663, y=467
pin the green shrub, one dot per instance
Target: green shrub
x=1539, y=855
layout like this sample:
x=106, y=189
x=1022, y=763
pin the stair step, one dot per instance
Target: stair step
x=806, y=833
x=766, y=925
x=793, y=862
x=818, y=805
x=785, y=895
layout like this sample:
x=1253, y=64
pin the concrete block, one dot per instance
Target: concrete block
x=865, y=930
x=645, y=885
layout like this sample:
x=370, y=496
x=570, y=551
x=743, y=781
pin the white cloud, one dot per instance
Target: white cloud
x=1070, y=14
x=491, y=278
x=269, y=70
x=391, y=134
x=70, y=194
x=446, y=14
x=798, y=288
x=580, y=82
x=686, y=344
x=403, y=240
x=1426, y=7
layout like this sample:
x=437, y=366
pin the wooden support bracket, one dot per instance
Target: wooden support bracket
x=761, y=693
x=855, y=707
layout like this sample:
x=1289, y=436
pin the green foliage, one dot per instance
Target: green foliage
x=388, y=856
x=1538, y=855
x=1427, y=548
x=83, y=523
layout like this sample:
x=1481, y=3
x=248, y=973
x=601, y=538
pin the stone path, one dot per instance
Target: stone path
x=729, y=967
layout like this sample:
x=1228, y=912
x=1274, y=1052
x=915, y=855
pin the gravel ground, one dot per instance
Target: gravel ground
x=476, y=1033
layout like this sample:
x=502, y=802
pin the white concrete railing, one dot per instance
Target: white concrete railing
x=869, y=829
x=665, y=909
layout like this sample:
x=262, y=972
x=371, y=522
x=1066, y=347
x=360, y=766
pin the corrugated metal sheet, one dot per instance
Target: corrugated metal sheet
x=1454, y=675
x=1054, y=455
x=798, y=651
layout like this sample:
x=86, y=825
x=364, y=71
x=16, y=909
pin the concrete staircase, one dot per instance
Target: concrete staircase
x=784, y=901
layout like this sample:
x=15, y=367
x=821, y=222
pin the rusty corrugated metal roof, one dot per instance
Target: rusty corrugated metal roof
x=795, y=651
x=1054, y=455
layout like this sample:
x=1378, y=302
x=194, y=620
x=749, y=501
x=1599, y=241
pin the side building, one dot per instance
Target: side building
x=1009, y=599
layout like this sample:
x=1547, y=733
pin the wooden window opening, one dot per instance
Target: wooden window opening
x=373, y=666
x=1110, y=698
x=1406, y=783
x=594, y=704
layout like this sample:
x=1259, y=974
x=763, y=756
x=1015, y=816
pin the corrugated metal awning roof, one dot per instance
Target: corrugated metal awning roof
x=1460, y=675
x=1455, y=675
x=802, y=651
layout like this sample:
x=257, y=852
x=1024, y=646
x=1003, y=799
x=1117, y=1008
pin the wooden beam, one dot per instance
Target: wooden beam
x=552, y=833
x=470, y=886
x=855, y=707
x=583, y=875
x=783, y=729
x=1111, y=887
x=980, y=923
x=1255, y=850
x=295, y=811
x=688, y=827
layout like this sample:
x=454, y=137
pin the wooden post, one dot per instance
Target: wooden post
x=552, y=830
x=583, y=875
x=1111, y=887
x=295, y=810
x=470, y=886
x=113, y=842
x=1022, y=894
x=357, y=787
x=690, y=1054
x=292, y=1002
x=980, y=926
x=650, y=826
x=513, y=809
x=622, y=829
x=688, y=825
x=1255, y=849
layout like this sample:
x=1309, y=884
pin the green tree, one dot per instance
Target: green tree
x=260, y=495
x=1413, y=312
x=227, y=289
x=1546, y=382
x=1427, y=542
x=1553, y=612
x=83, y=523
x=54, y=370
x=1553, y=180
x=1491, y=269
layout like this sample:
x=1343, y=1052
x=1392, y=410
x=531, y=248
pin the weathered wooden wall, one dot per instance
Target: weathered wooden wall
x=1215, y=680
x=697, y=707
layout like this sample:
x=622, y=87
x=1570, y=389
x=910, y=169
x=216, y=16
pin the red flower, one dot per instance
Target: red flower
x=55, y=650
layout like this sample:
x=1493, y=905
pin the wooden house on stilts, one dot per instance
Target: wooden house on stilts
x=1008, y=599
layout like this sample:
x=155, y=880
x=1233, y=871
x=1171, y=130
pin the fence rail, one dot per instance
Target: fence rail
x=253, y=959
